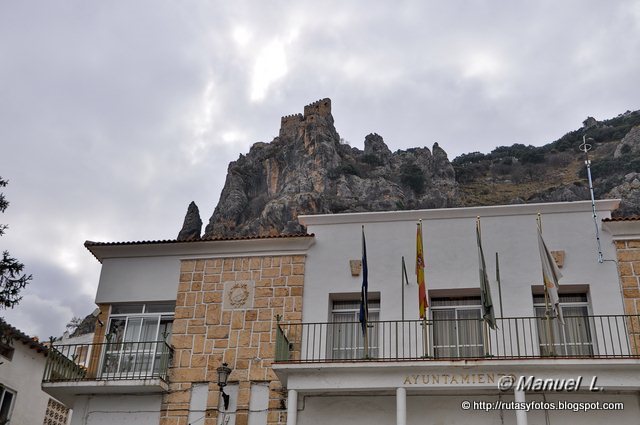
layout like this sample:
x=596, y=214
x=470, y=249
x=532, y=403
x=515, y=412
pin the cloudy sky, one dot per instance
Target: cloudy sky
x=115, y=115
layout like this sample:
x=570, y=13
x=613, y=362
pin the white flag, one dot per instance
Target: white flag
x=550, y=275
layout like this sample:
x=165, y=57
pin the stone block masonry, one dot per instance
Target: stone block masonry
x=628, y=253
x=226, y=311
x=98, y=339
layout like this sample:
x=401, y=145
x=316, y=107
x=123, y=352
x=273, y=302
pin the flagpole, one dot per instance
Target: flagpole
x=547, y=307
x=424, y=312
x=425, y=329
x=499, y=286
x=403, y=272
x=485, y=334
x=488, y=315
x=365, y=296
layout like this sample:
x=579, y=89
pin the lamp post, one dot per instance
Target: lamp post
x=223, y=374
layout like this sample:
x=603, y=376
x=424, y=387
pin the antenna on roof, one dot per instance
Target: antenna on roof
x=585, y=147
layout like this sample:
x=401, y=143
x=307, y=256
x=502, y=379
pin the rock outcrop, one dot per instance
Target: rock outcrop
x=630, y=144
x=307, y=170
x=192, y=225
x=629, y=192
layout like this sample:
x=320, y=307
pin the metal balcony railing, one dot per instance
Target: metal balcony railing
x=108, y=361
x=610, y=336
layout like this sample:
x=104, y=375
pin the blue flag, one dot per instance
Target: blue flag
x=364, y=293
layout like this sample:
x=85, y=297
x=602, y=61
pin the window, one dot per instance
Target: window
x=134, y=340
x=572, y=339
x=345, y=332
x=6, y=404
x=457, y=327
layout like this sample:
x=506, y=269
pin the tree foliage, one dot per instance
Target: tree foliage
x=12, y=280
x=73, y=324
x=411, y=175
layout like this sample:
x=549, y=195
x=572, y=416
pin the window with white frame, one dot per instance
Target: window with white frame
x=136, y=337
x=346, y=340
x=457, y=327
x=575, y=337
x=7, y=398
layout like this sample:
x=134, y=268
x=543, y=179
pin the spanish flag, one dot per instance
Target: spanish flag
x=422, y=288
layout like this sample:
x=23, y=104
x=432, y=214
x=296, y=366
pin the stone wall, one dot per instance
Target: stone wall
x=226, y=311
x=628, y=253
x=98, y=339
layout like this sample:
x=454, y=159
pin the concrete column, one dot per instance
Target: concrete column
x=521, y=414
x=292, y=407
x=401, y=406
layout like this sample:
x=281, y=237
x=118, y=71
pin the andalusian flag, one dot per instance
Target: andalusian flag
x=422, y=289
x=485, y=289
x=550, y=275
x=364, y=292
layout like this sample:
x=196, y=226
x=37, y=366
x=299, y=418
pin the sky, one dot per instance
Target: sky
x=115, y=115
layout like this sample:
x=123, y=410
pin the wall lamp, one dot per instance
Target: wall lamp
x=223, y=374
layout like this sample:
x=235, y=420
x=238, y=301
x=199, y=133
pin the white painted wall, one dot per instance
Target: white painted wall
x=150, y=272
x=445, y=409
x=23, y=374
x=138, y=279
x=85, y=339
x=116, y=410
x=451, y=256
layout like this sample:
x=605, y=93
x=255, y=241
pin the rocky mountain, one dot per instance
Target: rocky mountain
x=308, y=169
x=556, y=171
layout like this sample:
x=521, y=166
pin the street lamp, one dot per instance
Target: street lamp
x=223, y=374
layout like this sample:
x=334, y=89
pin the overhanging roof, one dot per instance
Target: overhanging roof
x=605, y=206
x=16, y=334
x=230, y=245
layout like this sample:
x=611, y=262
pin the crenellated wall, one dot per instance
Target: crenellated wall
x=319, y=107
x=289, y=123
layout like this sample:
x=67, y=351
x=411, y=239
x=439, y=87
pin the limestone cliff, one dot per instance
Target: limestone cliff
x=308, y=170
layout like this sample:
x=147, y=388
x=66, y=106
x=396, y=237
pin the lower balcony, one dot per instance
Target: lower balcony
x=579, y=337
x=106, y=368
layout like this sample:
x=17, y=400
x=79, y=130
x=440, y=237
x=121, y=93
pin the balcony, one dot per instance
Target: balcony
x=122, y=367
x=581, y=337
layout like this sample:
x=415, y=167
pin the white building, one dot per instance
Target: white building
x=282, y=312
x=78, y=346
x=463, y=360
x=22, y=364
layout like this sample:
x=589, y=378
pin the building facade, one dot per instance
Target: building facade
x=22, y=364
x=283, y=314
x=427, y=372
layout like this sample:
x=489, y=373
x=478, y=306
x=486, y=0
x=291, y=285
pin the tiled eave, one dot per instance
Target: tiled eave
x=232, y=245
x=17, y=335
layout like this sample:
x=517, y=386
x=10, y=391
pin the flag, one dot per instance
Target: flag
x=550, y=275
x=422, y=287
x=364, y=293
x=485, y=289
